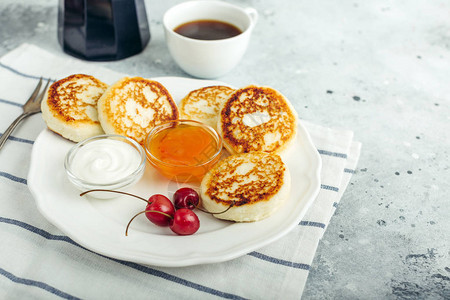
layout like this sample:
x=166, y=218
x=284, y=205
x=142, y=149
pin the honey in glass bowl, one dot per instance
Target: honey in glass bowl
x=183, y=150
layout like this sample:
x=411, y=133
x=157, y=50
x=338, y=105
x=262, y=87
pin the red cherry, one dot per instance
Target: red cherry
x=186, y=198
x=160, y=203
x=185, y=222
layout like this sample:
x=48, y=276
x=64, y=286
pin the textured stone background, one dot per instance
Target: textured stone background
x=380, y=68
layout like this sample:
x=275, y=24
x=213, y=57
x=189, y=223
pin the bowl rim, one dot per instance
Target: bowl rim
x=155, y=160
x=119, y=183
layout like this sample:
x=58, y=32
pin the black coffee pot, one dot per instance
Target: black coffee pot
x=102, y=30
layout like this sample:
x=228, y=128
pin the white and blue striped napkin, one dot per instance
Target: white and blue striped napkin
x=37, y=261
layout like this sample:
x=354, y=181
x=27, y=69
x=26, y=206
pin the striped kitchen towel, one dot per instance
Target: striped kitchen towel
x=38, y=261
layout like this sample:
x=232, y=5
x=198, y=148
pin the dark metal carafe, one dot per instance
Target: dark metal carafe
x=102, y=30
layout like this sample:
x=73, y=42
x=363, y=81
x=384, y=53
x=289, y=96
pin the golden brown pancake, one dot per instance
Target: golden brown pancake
x=133, y=106
x=256, y=184
x=204, y=104
x=257, y=119
x=70, y=107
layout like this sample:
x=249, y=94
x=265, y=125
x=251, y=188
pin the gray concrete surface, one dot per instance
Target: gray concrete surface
x=379, y=68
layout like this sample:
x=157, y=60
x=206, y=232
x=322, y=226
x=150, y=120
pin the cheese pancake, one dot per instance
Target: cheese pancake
x=204, y=104
x=133, y=106
x=257, y=119
x=70, y=107
x=254, y=184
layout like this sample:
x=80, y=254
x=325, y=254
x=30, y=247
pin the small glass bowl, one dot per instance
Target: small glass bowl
x=192, y=172
x=121, y=183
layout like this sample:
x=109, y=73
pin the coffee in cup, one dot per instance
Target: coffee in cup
x=208, y=38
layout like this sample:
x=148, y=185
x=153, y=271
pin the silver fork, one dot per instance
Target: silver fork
x=32, y=106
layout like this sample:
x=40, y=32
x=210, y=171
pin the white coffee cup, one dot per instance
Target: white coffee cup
x=208, y=58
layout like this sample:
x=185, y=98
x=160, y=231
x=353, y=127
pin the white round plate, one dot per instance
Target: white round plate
x=99, y=225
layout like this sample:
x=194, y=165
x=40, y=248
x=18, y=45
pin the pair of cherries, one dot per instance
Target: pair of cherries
x=162, y=212
x=177, y=215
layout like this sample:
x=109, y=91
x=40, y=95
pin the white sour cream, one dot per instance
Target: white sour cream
x=105, y=161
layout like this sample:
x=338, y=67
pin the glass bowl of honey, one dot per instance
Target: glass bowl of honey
x=183, y=150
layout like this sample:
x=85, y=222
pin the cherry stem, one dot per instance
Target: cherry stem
x=145, y=211
x=217, y=213
x=119, y=192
